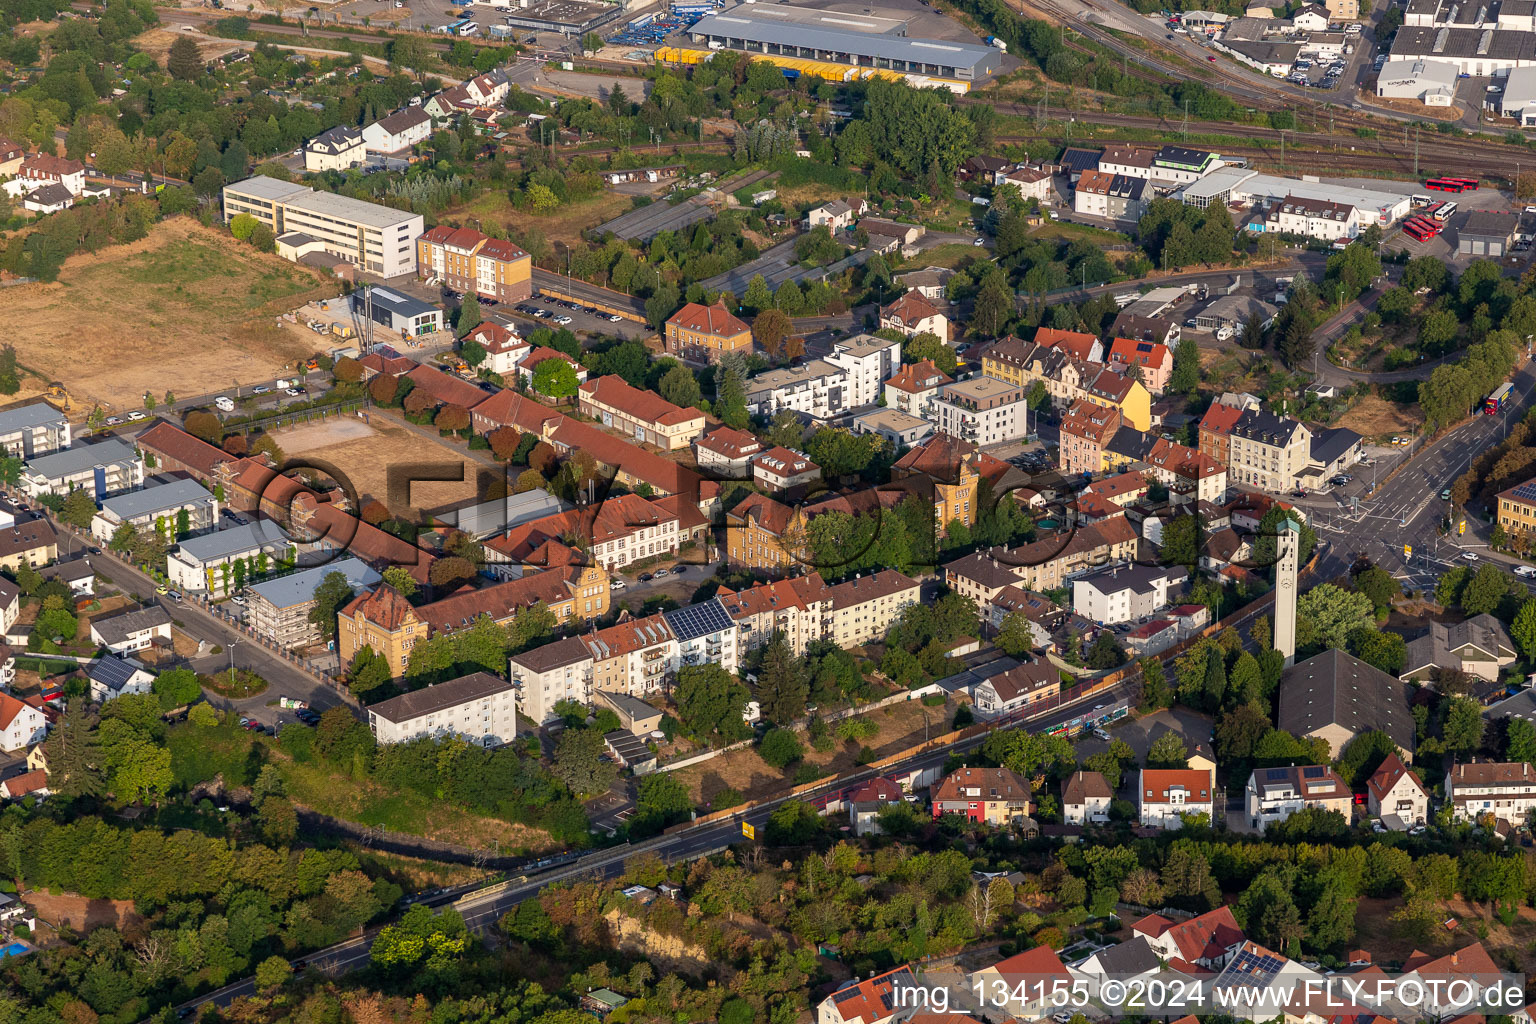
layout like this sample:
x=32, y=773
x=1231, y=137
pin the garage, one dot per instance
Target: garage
x=1485, y=233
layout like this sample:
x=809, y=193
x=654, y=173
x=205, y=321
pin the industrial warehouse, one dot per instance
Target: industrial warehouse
x=923, y=62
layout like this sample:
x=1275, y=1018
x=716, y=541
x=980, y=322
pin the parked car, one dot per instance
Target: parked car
x=261, y=389
x=662, y=572
x=1445, y=495
x=295, y=392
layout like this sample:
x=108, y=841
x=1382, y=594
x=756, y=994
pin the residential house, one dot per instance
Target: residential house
x=993, y=796
x=1517, y=508
x=11, y=156
x=643, y=415
x=101, y=470
x=1165, y=795
x=1190, y=475
x=1478, y=646
x=529, y=363
x=1452, y=982
x=913, y=314
x=1042, y=564
x=335, y=149
x=32, y=542
x=763, y=534
x=1079, y=345
x=1268, y=452
x=913, y=388
x=618, y=531
x=51, y=198
x=1112, y=196
x=278, y=609
x=866, y=803
x=1043, y=616
x=1163, y=331
x=702, y=334
x=1032, y=182
x=1216, y=430
x=28, y=431
x=1325, y=219
x=1152, y=637
x=1085, y=799
x=782, y=471
x=34, y=784
x=159, y=509
x=41, y=169
x=1396, y=795
x=954, y=469
x=636, y=656
x=396, y=134
x=705, y=634
x=10, y=602
x=473, y=263
x=835, y=215
x=550, y=673
x=982, y=410
x=480, y=708
x=1207, y=940
x=1006, y=693
x=111, y=677
x=1502, y=791
x=1337, y=696
x=874, y=1000
x=1023, y=985
x=1127, y=160
x=1121, y=593
x=1274, y=794
x=1132, y=963
x=21, y=724
x=727, y=452
x=867, y=362
x=169, y=449
x=930, y=281
x=1253, y=970
x=866, y=607
x=1109, y=496
x=1084, y=433
x=132, y=631
x=1333, y=452
x=1152, y=360
x=504, y=349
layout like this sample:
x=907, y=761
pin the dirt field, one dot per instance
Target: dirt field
x=1511, y=947
x=901, y=726
x=157, y=43
x=1372, y=416
x=364, y=453
x=82, y=914
x=185, y=307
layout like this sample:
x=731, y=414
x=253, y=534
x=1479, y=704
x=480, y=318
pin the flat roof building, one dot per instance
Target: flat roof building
x=206, y=563
x=157, y=508
x=102, y=469
x=1430, y=82
x=279, y=609
x=30, y=430
x=396, y=311
x=375, y=238
x=1245, y=186
x=957, y=65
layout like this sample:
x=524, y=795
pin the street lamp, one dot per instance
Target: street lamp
x=232, y=660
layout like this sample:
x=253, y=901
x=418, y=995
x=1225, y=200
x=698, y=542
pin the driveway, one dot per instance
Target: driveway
x=1140, y=733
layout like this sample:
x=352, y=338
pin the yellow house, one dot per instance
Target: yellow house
x=761, y=533
x=702, y=334
x=1117, y=391
x=1068, y=379
x=956, y=468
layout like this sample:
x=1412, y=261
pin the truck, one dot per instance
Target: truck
x=994, y=41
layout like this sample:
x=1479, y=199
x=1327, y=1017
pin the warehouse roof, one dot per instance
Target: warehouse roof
x=1443, y=42
x=857, y=44
x=328, y=204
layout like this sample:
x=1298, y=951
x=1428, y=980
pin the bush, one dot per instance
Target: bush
x=780, y=748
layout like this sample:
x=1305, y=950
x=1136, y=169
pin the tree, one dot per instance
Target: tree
x=469, y=315
x=370, y=670
x=452, y=418
x=660, y=800
x=452, y=571
x=75, y=760
x=278, y=821
x=770, y=328
x=782, y=688
x=504, y=442
x=579, y=762
x=176, y=688
x=1520, y=742
x=1105, y=652
x=1378, y=585
x=780, y=748
x=1016, y=636
x=710, y=701
x=79, y=509
x=333, y=592
x=680, y=387
x=274, y=971
x=184, y=62
x=1327, y=614
x=1463, y=726
x=472, y=352
x=399, y=577
x=731, y=397
x=203, y=424
x=758, y=296
x=1386, y=651
x=555, y=378
x=1168, y=751
x=1486, y=589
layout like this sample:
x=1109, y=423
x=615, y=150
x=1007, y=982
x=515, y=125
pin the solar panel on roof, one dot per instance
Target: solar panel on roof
x=1312, y=771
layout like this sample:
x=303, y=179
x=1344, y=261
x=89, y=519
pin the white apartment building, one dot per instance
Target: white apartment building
x=816, y=388
x=868, y=362
x=198, y=564
x=103, y=469
x=1120, y=593
x=1315, y=218
x=982, y=410
x=867, y=606
x=480, y=708
x=1504, y=790
x=705, y=634
x=375, y=238
x=335, y=150
x=32, y=430
x=797, y=608
x=549, y=674
x=1274, y=794
x=158, y=508
x=398, y=132
x=1163, y=795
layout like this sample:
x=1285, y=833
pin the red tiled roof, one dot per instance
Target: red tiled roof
x=994, y=784
x=1389, y=774
x=383, y=606
x=366, y=541
x=1117, y=486
x=543, y=352
x=1467, y=961
x=378, y=363
x=1219, y=419
x=911, y=308
x=626, y=637
x=782, y=462
x=645, y=406
x=10, y=707
x=1200, y=938
x=1074, y=343
x=1141, y=353
x=508, y=408
x=729, y=442
x=915, y=378
x=798, y=592
x=445, y=389
x=495, y=338
x=1096, y=423
x=763, y=510
x=713, y=320
x=1040, y=962
x=618, y=516
x=174, y=443
x=941, y=456
x=1183, y=461
x=876, y=790
x=48, y=164
x=500, y=601
x=27, y=782
x=1155, y=783
x=872, y=999
x=871, y=587
x=664, y=475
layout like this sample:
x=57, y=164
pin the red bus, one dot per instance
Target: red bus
x=1413, y=230
x=1424, y=224
x=1469, y=183
x=1445, y=185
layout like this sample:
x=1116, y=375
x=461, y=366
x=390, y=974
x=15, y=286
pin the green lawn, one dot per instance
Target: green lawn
x=187, y=267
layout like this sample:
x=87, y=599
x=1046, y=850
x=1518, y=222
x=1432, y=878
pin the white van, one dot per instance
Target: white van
x=224, y=403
